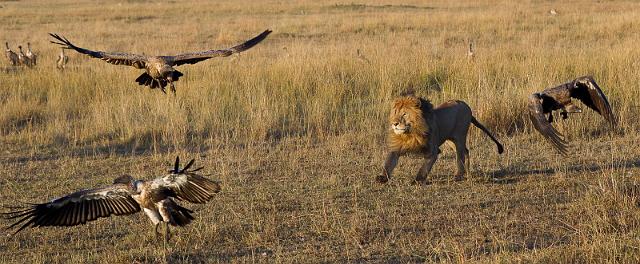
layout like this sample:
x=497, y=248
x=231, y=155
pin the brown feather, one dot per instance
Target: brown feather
x=536, y=114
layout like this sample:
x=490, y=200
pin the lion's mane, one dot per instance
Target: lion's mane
x=419, y=111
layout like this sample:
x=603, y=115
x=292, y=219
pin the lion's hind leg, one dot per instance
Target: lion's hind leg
x=462, y=159
x=466, y=157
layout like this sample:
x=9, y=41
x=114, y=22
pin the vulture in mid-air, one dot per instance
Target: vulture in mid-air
x=159, y=70
x=158, y=198
x=584, y=89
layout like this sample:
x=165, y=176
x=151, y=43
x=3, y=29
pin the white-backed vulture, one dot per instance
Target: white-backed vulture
x=158, y=198
x=62, y=60
x=33, y=58
x=11, y=55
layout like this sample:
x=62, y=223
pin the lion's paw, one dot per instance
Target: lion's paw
x=382, y=179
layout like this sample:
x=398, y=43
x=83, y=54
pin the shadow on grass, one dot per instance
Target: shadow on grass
x=138, y=146
x=514, y=173
x=258, y=254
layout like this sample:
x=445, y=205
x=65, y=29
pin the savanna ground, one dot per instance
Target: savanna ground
x=295, y=129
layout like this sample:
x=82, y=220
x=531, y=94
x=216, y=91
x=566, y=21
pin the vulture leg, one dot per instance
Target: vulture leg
x=162, y=88
x=165, y=241
x=550, y=118
x=167, y=235
x=173, y=88
x=157, y=232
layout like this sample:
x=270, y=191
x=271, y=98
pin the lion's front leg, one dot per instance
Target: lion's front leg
x=389, y=164
x=426, y=167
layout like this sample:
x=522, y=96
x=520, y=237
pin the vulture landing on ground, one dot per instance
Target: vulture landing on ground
x=584, y=89
x=158, y=198
x=159, y=70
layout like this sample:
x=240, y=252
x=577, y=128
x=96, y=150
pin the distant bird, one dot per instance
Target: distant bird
x=159, y=70
x=32, y=57
x=126, y=196
x=584, y=89
x=470, y=53
x=553, y=12
x=62, y=60
x=361, y=56
x=23, y=58
x=11, y=55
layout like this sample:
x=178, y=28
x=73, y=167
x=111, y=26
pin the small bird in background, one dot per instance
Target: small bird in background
x=62, y=60
x=11, y=55
x=159, y=70
x=32, y=57
x=584, y=89
x=553, y=12
x=157, y=198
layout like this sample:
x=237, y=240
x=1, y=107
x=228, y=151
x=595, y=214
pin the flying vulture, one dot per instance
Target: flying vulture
x=584, y=89
x=159, y=70
x=158, y=198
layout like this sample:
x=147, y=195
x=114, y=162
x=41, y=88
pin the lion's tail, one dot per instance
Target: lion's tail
x=486, y=131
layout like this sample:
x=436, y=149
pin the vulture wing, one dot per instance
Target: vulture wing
x=587, y=90
x=195, y=57
x=116, y=58
x=187, y=185
x=543, y=126
x=76, y=208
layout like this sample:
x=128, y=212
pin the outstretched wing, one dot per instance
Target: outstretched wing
x=543, y=126
x=187, y=185
x=116, y=58
x=76, y=208
x=587, y=90
x=194, y=57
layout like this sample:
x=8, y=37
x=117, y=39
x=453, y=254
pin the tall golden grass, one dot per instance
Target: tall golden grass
x=305, y=79
x=306, y=116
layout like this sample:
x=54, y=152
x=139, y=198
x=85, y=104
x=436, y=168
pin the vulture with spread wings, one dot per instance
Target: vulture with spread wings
x=584, y=89
x=159, y=70
x=126, y=196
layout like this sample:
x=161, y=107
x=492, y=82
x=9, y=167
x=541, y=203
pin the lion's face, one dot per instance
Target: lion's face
x=408, y=126
x=400, y=124
x=406, y=115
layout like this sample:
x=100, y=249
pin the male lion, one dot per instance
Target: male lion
x=417, y=127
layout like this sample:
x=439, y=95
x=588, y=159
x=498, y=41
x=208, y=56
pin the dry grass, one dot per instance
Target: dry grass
x=295, y=128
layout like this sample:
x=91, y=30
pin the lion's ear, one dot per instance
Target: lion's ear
x=414, y=101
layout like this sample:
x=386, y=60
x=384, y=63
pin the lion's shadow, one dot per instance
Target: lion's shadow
x=515, y=173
